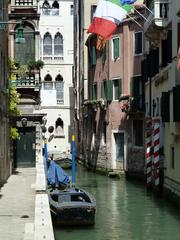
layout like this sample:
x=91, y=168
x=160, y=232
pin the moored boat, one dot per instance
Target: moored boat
x=72, y=206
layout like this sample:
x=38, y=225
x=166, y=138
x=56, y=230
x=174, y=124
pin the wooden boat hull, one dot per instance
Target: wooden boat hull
x=67, y=210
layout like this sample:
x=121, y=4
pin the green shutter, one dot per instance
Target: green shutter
x=119, y=87
x=116, y=47
x=93, y=55
x=132, y=86
x=109, y=87
x=94, y=92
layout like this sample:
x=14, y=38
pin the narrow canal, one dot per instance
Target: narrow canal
x=125, y=211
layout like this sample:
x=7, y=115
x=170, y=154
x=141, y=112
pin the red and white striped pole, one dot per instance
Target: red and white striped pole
x=148, y=161
x=156, y=159
x=148, y=152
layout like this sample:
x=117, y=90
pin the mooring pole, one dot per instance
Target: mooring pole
x=46, y=155
x=73, y=160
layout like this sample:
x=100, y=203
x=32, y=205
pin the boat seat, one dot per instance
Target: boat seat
x=64, y=198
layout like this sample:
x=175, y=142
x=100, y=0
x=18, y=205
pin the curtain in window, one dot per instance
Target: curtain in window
x=58, y=45
x=47, y=44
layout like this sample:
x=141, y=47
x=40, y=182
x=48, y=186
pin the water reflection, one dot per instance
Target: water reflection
x=124, y=211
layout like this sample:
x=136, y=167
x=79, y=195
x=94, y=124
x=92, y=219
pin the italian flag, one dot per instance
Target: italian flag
x=109, y=13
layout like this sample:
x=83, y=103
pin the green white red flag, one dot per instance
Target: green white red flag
x=108, y=15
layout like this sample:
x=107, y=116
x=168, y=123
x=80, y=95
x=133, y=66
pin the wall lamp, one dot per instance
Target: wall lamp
x=19, y=33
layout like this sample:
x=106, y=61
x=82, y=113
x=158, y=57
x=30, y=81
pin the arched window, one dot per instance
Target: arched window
x=59, y=78
x=48, y=84
x=58, y=44
x=55, y=8
x=24, y=53
x=46, y=8
x=47, y=44
x=48, y=78
x=59, y=127
x=59, y=89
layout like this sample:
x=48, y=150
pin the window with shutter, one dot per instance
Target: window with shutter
x=169, y=46
x=109, y=90
x=117, y=89
x=138, y=49
x=94, y=91
x=115, y=48
x=165, y=105
x=176, y=108
x=137, y=92
x=93, y=55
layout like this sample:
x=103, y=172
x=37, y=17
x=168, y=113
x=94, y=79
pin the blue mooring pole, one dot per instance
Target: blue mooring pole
x=73, y=160
x=46, y=155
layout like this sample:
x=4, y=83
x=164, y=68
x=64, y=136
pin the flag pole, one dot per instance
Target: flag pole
x=140, y=14
x=135, y=21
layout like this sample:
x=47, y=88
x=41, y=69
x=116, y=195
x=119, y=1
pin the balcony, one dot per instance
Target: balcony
x=131, y=105
x=25, y=83
x=23, y=7
x=157, y=18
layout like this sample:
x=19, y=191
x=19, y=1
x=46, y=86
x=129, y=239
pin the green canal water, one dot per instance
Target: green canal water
x=125, y=211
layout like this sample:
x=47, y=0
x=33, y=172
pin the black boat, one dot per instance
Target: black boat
x=72, y=206
x=69, y=206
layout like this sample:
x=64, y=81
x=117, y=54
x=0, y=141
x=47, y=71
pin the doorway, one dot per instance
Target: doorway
x=25, y=148
x=119, y=150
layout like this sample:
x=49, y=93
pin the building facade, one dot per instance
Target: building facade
x=56, y=51
x=115, y=108
x=5, y=162
x=162, y=87
x=24, y=77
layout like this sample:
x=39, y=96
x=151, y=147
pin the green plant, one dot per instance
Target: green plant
x=13, y=64
x=14, y=98
x=32, y=65
x=14, y=134
x=22, y=71
x=39, y=64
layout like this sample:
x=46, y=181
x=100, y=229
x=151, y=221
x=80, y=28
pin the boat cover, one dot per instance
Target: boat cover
x=56, y=175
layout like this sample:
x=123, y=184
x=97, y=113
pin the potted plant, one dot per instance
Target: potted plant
x=35, y=66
